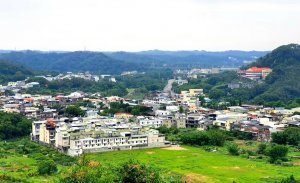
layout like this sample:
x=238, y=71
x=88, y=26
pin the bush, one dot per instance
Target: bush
x=233, y=149
x=262, y=148
x=251, y=153
x=134, y=172
x=47, y=167
x=290, y=179
x=74, y=111
x=277, y=152
x=290, y=136
x=202, y=138
x=13, y=125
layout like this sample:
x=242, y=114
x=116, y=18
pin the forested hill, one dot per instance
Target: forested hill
x=12, y=72
x=189, y=59
x=117, y=62
x=283, y=83
x=70, y=61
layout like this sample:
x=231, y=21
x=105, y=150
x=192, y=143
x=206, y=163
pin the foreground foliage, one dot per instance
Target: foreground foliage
x=13, y=125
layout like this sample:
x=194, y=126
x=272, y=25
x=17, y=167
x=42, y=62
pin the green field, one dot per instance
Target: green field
x=193, y=164
x=197, y=165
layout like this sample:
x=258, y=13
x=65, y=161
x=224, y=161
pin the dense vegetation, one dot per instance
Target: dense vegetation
x=280, y=89
x=12, y=72
x=283, y=83
x=290, y=136
x=115, y=107
x=77, y=84
x=140, y=83
x=30, y=160
x=212, y=137
x=13, y=126
x=70, y=61
x=74, y=111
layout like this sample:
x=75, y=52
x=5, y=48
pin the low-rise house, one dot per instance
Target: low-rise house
x=193, y=120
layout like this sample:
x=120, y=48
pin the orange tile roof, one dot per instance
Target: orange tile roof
x=258, y=69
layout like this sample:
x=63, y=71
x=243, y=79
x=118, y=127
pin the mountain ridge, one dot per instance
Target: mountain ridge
x=117, y=62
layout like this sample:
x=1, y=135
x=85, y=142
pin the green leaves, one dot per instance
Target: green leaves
x=13, y=125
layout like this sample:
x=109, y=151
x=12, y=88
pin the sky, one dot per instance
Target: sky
x=135, y=25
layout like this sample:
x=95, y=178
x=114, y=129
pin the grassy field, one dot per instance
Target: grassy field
x=22, y=168
x=197, y=165
x=191, y=163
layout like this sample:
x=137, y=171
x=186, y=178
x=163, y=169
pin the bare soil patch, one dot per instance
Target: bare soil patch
x=175, y=148
x=150, y=152
x=195, y=178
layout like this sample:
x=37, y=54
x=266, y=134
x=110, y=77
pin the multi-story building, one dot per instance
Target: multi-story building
x=255, y=73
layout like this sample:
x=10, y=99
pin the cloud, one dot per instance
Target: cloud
x=148, y=24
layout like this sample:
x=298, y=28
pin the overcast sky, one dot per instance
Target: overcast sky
x=131, y=25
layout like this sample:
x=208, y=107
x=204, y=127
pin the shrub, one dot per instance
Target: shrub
x=134, y=172
x=290, y=136
x=262, y=148
x=290, y=179
x=233, y=149
x=202, y=138
x=277, y=152
x=47, y=167
x=251, y=153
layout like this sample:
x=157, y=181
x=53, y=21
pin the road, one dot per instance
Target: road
x=168, y=88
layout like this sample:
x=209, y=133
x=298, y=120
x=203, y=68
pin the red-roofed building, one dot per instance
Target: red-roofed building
x=256, y=73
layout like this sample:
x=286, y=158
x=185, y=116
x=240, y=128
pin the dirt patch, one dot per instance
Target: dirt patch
x=240, y=142
x=181, y=156
x=236, y=168
x=296, y=163
x=195, y=154
x=150, y=152
x=195, y=178
x=175, y=148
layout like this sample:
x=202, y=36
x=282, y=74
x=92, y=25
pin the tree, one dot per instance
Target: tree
x=262, y=148
x=233, y=149
x=74, y=111
x=13, y=125
x=277, y=152
x=202, y=100
x=47, y=167
x=135, y=172
x=289, y=136
x=216, y=137
x=290, y=179
x=181, y=110
x=279, y=138
x=293, y=136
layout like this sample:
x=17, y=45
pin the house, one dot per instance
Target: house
x=122, y=115
x=47, y=132
x=259, y=132
x=226, y=123
x=193, y=120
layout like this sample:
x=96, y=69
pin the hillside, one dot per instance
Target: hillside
x=12, y=72
x=117, y=62
x=283, y=83
x=69, y=61
x=281, y=87
x=189, y=59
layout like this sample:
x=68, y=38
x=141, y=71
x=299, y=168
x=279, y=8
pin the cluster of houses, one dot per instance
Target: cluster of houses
x=201, y=72
x=85, y=76
x=17, y=86
x=96, y=133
